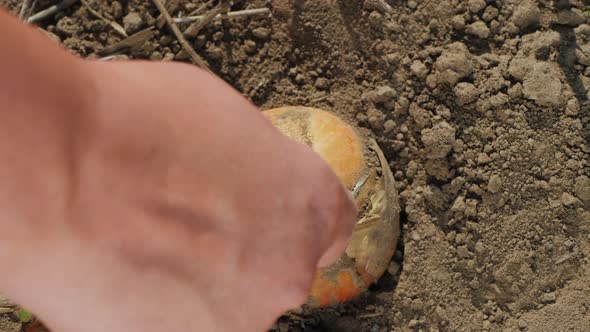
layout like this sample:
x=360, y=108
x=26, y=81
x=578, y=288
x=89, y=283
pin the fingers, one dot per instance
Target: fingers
x=340, y=224
x=337, y=216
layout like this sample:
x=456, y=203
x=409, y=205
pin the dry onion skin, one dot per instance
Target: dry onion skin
x=375, y=235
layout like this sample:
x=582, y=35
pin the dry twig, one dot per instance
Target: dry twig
x=183, y=42
x=132, y=42
x=116, y=26
x=193, y=30
x=364, y=316
x=380, y=5
x=236, y=14
x=5, y=302
x=51, y=11
x=200, y=9
x=24, y=9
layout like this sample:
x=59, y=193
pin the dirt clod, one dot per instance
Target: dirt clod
x=133, y=22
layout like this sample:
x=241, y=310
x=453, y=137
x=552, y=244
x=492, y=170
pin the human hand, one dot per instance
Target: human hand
x=183, y=209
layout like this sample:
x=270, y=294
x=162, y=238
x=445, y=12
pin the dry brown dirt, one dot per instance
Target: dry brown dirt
x=482, y=109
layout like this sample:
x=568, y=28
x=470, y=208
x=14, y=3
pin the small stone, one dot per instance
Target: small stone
x=527, y=14
x=389, y=126
x=299, y=79
x=554, y=203
x=483, y=159
x=583, y=31
x=413, y=323
x=573, y=107
x=182, y=55
x=458, y=23
x=168, y=56
x=261, y=33
x=463, y=252
x=479, y=29
x=376, y=19
x=515, y=92
x=412, y=4
x=454, y=64
x=376, y=119
x=250, y=46
x=116, y=9
x=543, y=84
x=393, y=268
x=490, y=14
x=132, y=23
x=156, y=56
x=549, y=298
x=466, y=93
x=67, y=27
x=419, y=69
x=522, y=324
x=570, y=18
x=384, y=94
x=438, y=140
x=215, y=53
x=459, y=204
x=475, y=6
x=218, y=36
x=569, y=200
x=498, y=100
x=322, y=83
x=495, y=184
x=582, y=188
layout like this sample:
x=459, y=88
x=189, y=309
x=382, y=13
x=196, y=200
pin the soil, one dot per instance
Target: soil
x=482, y=108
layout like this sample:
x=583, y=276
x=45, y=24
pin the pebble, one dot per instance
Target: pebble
x=156, y=56
x=458, y=23
x=522, y=324
x=527, y=14
x=261, y=33
x=479, y=29
x=572, y=108
x=250, y=46
x=322, y=83
x=475, y=6
x=376, y=19
x=490, y=14
x=568, y=200
x=582, y=188
x=419, y=69
x=384, y=94
x=454, y=64
x=393, y=268
x=549, y=298
x=67, y=27
x=132, y=23
x=465, y=93
x=570, y=18
x=299, y=79
x=168, y=56
x=495, y=184
x=438, y=140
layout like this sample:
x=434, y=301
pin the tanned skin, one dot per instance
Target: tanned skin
x=140, y=197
